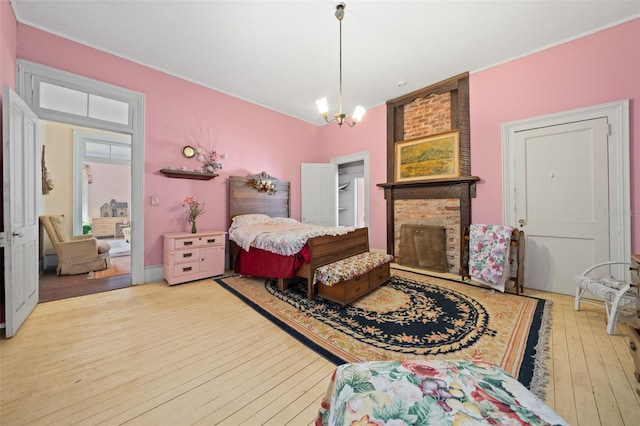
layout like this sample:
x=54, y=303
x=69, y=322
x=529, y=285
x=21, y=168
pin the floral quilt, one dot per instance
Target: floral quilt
x=435, y=392
x=283, y=236
x=349, y=268
x=489, y=248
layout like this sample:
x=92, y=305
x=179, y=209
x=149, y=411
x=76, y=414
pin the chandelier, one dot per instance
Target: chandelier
x=323, y=107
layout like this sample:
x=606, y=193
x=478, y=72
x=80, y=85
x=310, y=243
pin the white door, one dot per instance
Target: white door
x=319, y=193
x=21, y=181
x=562, y=200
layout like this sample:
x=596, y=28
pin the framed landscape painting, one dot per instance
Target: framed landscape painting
x=431, y=157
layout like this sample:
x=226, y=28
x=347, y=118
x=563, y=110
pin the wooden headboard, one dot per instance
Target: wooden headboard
x=245, y=199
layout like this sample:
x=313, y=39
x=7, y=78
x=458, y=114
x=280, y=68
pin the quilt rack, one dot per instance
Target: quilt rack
x=517, y=249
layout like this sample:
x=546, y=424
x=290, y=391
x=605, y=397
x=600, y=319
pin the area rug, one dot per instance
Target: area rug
x=412, y=317
x=119, y=266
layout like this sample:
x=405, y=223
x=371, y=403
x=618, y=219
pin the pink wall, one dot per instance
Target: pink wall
x=176, y=111
x=595, y=69
x=8, y=43
x=369, y=135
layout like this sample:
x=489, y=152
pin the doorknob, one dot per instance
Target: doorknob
x=522, y=222
x=18, y=234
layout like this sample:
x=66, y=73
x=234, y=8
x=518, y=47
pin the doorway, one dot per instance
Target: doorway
x=91, y=172
x=336, y=193
x=351, y=205
x=566, y=184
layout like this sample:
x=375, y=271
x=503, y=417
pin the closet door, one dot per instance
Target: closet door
x=319, y=193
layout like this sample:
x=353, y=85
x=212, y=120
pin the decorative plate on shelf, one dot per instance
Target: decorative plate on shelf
x=188, y=151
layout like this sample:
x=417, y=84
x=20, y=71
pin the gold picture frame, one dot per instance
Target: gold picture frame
x=431, y=157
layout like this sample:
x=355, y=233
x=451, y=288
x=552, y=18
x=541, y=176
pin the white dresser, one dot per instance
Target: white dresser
x=189, y=257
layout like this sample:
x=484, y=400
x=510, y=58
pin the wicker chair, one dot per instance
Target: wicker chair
x=77, y=254
x=619, y=296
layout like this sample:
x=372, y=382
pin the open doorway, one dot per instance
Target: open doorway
x=90, y=172
x=351, y=206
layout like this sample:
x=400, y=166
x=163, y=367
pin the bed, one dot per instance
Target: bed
x=245, y=200
x=430, y=392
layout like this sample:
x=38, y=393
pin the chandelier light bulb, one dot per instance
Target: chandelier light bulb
x=323, y=107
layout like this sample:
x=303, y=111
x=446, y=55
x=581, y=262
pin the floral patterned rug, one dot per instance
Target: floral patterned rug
x=412, y=317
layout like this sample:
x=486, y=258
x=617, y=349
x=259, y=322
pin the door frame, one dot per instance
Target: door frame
x=350, y=158
x=619, y=212
x=136, y=100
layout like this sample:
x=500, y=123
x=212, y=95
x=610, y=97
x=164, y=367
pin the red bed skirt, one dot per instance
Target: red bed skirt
x=262, y=263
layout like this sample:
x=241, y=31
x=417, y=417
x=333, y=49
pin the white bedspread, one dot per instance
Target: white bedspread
x=285, y=237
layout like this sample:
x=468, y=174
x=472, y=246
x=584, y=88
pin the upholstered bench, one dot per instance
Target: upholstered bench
x=348, y=279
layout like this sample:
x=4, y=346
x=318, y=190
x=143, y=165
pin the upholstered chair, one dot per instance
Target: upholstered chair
x=76, y=254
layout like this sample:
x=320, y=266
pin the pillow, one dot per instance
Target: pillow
x=250, y=219
x=281, y=220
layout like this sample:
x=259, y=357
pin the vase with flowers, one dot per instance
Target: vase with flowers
x=210, y=159
x=194, y=209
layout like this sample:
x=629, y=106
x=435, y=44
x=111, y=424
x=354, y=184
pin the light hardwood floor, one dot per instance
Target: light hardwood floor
x=195, y=354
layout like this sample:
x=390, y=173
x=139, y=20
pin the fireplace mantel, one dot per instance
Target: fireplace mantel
x=461, y=188
x=429, y=182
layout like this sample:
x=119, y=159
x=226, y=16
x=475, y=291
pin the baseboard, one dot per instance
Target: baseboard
x=153, y=274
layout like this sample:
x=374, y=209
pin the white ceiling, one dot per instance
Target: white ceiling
x=284, y=55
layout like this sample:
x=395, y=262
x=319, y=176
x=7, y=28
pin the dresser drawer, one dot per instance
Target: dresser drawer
x=182, y=256
x=198, y=241
x=180, y=243
x=186, y=268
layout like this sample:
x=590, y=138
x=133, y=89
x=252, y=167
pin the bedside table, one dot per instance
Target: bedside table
x=189, y=257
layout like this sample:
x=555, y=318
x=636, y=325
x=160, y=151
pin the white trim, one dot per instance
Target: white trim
x=136, y=100
x=617, y=114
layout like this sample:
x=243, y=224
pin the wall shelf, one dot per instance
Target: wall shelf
x=183, y=174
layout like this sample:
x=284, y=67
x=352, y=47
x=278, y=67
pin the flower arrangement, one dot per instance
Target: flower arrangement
x=194, y=209
x=265, y=185
x=210, y=158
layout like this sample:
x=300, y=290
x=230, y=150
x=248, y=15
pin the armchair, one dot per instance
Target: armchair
x=76, y=254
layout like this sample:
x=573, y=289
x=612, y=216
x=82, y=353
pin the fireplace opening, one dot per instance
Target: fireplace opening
x=423, y=247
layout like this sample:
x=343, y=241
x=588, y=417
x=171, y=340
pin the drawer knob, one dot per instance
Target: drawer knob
x=212, y=240
x=357, y=289
x=187, y=269
x=188, y=243
x=187, y=254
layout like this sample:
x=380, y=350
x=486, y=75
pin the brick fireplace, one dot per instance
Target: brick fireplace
x=443, y=202
x=440, y=202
